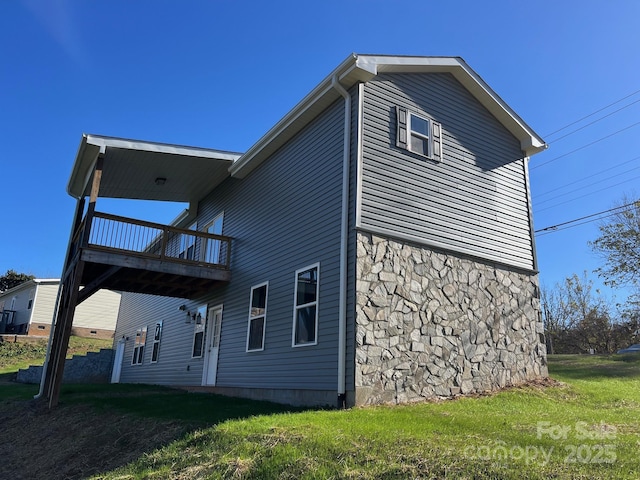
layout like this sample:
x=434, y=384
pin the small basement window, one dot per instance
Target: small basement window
x=418, y=134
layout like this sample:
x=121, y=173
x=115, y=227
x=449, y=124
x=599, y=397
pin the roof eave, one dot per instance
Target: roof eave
x=361, y=68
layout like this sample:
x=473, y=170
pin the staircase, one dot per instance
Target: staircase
x=94, y=367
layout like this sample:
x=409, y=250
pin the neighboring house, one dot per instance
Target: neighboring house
x=27, y=309
x=376, y=245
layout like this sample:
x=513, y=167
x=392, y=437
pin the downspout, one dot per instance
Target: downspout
x=344, y=227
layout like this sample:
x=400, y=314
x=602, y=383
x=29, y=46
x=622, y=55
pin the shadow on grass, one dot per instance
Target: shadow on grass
x=99, y=428
x=582, y=367
x=163, y=403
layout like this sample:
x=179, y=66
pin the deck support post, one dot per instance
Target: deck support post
x=70, y=284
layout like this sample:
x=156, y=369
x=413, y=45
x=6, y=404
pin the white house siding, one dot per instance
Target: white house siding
x=283, y=217
x=97, y=314
x=473, y=202
x=43, y=308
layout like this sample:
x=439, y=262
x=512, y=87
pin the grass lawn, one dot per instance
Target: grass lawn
x=585, y=427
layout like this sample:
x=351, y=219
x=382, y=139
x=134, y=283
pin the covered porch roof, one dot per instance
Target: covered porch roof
x=143, y=170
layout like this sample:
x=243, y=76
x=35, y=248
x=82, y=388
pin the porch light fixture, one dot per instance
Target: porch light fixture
x=160, y=180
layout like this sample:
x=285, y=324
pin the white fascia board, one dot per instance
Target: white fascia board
x=113, y=142
x=361, y=68
x=530, y=142
x=91, y=146
x=321, y=96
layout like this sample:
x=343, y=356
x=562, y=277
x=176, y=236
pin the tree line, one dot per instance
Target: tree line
x=577, y=319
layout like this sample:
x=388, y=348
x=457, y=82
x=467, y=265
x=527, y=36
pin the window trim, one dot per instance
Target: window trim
x=411, y=133
x=263, y=316
x=205, y=251
x=155, y=345
x=404, y=134
x=297, y=307
x=200, y=328
x=139, y=343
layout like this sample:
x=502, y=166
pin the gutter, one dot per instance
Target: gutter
x=344, y=232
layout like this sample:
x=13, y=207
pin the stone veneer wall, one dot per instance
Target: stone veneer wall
x=430, y=324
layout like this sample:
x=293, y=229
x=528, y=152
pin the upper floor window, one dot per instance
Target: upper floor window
x=213, y=248
x=257, y=318
x=188, y=245
x=418, y=134
x=305, y=311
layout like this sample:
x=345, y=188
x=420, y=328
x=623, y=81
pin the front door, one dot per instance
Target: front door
x=214, y=324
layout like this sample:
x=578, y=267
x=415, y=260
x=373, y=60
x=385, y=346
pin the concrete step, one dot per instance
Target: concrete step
x=95, y=367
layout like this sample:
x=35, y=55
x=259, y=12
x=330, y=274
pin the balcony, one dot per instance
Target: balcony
x=125, y=254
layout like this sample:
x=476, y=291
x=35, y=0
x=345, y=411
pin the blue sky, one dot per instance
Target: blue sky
x=218, y=74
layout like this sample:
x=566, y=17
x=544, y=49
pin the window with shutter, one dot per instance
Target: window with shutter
x=418, y=134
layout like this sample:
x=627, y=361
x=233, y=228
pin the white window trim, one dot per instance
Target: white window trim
x=411, y=132
x=156, y=342
x=264, y=316
x=296, y=306
x=200, y=328
x=404, y=134
x=203, y=250
x=136, y=346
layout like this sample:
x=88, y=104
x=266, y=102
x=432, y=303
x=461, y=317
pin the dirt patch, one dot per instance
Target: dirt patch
x=73, y=442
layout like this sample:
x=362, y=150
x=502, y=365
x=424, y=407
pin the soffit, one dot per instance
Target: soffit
x=131, y=169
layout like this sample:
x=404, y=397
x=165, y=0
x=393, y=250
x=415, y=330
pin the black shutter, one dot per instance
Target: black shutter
x=401, y=134
x=436, y=139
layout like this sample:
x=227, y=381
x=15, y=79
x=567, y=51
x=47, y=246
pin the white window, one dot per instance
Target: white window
x=418, y=134
x=138, y=346
x=257, y=317
x=305, y=311
x=155, y=349
x=188, y=245
x=212, y=251
x=32, y=293
x=198, y=332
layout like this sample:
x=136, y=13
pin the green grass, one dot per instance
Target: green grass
x=14, y=356
x=585, y=427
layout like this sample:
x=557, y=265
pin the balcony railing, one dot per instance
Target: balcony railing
x=116, y=234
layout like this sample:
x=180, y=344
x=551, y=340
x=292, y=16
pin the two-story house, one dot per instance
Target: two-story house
x=375, y=245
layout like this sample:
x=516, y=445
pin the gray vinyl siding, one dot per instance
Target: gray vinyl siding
x=473, y=202
x=282, y=217
x=175, y=365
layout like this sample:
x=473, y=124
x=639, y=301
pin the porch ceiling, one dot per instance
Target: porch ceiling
x=131, y=168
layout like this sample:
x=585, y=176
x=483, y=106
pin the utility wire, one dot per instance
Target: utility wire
x=584, y=178
x=587, y=194
x=591, y=123
x=585, y=146
x=591, y=114
x=589, y=185
x=611, y=211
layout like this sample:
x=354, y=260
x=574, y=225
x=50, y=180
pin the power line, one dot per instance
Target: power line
x=591, y=114
x=564, y=224
x=590, y=185
x=584, y=178
x=585, y=146
x=586, y=194
x=591, y=123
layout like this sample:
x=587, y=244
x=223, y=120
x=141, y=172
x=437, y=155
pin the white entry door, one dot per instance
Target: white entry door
x=117, y=362
x=214, y=324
